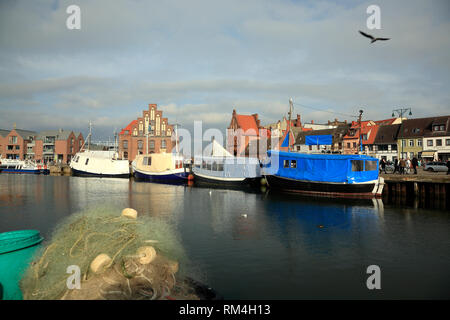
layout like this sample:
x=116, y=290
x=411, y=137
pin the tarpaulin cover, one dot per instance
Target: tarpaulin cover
x=319, y=140
x=321, y=167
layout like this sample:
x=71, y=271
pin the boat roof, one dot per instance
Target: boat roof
x=321, y=156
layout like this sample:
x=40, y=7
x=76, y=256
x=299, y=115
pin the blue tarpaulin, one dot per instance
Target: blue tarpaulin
x=319, y=140
x=322, y=168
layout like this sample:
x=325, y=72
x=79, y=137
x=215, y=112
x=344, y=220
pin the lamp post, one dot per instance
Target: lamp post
x=400, y=113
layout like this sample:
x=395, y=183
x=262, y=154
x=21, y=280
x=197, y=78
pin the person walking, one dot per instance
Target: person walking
x=383, y=165
x=396, y=166
x=408, y=166
x=415, y=164
x=402, y=166
x=448, y=166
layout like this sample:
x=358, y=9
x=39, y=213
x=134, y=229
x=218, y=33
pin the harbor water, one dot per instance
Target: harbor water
x=262, y=245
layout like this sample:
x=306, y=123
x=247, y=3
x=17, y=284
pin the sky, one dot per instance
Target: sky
x=199, y=60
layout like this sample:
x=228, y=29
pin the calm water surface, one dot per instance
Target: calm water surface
x=285, y=248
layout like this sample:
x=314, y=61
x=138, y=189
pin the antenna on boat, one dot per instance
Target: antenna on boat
x=90, y=135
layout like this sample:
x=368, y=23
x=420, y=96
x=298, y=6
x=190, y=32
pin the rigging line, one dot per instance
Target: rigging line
x=317, y=109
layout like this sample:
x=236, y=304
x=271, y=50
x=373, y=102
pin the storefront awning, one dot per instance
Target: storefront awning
x=428, y=154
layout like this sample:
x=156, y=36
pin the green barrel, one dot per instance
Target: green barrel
x=16, y=251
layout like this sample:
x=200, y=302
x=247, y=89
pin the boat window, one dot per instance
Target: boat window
x=147, y=161
x=357, y=165
x=197, y=165
x=76, y=159
x=208, y=166
x=371, y=165
x=204, y=164
x=87, y=160
x=294, y=164
x=286, y=164
x=220, y=167
x=214, y=166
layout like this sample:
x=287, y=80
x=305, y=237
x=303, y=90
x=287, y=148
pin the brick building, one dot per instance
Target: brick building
x=14, y=143
x=151, y=130
x=57, y=145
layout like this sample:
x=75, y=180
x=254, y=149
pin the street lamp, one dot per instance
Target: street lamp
x=400, y=113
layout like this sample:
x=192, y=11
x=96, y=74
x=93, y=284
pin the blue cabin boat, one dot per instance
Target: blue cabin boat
x=324, y=174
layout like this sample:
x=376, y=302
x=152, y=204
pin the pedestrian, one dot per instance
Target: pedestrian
x=402, y=166
x=448, y=166
x=383, y=165
x=408, y=165
x=396, y=166
x=414, y=163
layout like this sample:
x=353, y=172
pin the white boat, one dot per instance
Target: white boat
x=223, y=169
x=104, y=164
x=22, y=166
x=99, y=164
x=160, y=167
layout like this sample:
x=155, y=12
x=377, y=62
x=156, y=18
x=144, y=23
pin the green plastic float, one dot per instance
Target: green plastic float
x=16, y=251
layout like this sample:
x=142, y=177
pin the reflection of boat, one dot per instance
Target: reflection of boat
x=104, y=164
x=22, y=166
x=223, y=169
x=99, y=164
x=324, y=175
x=160, y=167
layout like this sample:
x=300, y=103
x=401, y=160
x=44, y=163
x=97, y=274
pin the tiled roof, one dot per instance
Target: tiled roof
x=58, y=134
x=26, y=133
x=246, y=123
x=387, y=134
x=4, y=133
x=129, y=127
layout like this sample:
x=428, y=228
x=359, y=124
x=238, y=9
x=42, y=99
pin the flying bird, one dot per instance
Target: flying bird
x=372, y=37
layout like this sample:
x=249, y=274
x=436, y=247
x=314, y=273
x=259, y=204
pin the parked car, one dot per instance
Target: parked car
x=435, y=166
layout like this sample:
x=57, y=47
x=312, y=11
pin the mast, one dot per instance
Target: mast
x=291, y=103
x=90, y=135
x=176, y=137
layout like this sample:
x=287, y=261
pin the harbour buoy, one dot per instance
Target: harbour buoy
x=263, y=181
x=146, y=254
x=244, y=215
x=191, y=177
x=100, y=261
x=129, y=213
x=320, y=226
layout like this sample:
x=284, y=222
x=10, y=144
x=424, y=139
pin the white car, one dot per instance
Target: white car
x=435, y=167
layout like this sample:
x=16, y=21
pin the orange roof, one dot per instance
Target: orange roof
x=386, y=121
x=247, y=123
x=129, y=127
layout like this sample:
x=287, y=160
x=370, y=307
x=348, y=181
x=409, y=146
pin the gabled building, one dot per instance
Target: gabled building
x=385, y=143
x=368, y=132
x=57, y=146
x=150, y=133
x=244, y=135
x=436, y=139
x=14, y=143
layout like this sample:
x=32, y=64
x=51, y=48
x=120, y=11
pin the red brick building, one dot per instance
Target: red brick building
x=14, y=143
x=151, y=132
x=56, y=146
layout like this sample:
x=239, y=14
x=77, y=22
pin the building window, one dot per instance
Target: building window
x=348, y=144
x=310, y=148
x=141, y=127
x=163, y=144
x=354, y=144
x=140, y=144
x=403, y=143
x=419, y=142
x=429, y=143
x=152, y=144
x=13, y=139
x=135, y=133
x=158, y=125
x=152, y=114
x=447, y=142
x=125, y=144
x=438, y=142
x=411, y=143
x=17, y=147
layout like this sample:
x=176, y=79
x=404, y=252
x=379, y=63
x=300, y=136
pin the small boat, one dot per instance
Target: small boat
x=160, y=167
x=225, y=170
x=102, y=164
x=22, y=166
x=324, y=174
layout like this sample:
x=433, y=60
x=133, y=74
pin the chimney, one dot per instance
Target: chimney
x=312, y=121
x=329, y=122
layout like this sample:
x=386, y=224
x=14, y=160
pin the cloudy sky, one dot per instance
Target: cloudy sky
x=200, y=59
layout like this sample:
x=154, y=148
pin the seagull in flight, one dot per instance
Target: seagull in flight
x=372, y=37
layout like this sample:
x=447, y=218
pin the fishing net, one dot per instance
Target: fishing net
x=120, y=256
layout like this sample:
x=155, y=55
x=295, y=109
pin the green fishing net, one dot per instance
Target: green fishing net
x=112, y=252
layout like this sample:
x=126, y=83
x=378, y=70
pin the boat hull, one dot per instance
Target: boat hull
x=221, y=182
x=346, y=190
x=170, y=177
x=29, y=171
x=80, y=173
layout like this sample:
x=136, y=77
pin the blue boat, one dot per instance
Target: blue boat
x=160, y=167
x=323, y=174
